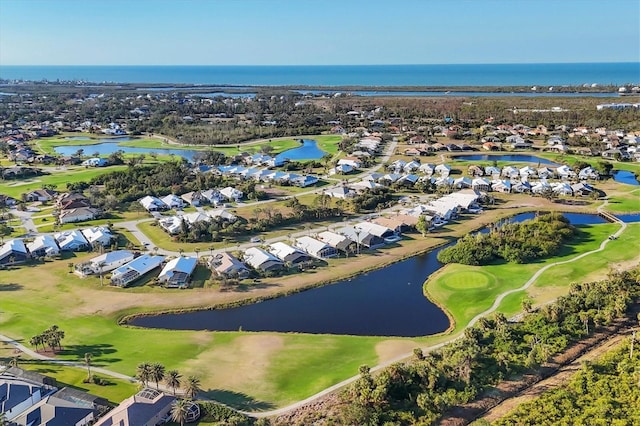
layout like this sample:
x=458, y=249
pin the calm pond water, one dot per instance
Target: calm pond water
x=308, y=151
x=625, y=176
x=111, y=145
x=517, y=158
x=629, y=218
x=385, y=302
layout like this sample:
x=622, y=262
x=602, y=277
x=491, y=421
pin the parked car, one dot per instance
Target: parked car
x=255, y=240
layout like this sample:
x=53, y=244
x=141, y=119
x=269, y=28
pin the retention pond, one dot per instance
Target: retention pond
x=385, y=302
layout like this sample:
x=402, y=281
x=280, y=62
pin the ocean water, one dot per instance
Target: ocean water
x=344, y=75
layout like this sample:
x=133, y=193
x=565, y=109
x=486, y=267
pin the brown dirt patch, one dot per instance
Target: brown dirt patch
x=240, y=365
x=390, y=349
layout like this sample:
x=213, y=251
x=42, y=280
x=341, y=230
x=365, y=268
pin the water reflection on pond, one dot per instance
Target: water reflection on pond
x=385, y=302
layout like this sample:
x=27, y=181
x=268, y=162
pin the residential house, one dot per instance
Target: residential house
x=149, y=407
x=98, y=235
x=582, y=189
x=304, y=181
x=588, y=173
x=42, y=195
x=340, y=192
x=375, y=229
x=13, y=251
x=52, y=410
x=95, y=162
x=226, y=265
x=427, y=168
x=565, y=172
x=342, y=169
x=211, y=196
x=361, y=237
x=18, y=392
x=129, y=272
x=288, y=254
x=173, y=201
x=354, y=162
x=398, y=223
x=177, y=272
x=337, y=241
x=104, y=263
x=462, y=182
x=262, y=260
x=501, y=186
x=194, y=198
x=562, y=188
x=43, y=246
x=79, y=214
x=481, y=184
x=443, y=169
x=315, y=247
x=222, y=215
x=152, y=204
x=71, y=240
x=231, y=194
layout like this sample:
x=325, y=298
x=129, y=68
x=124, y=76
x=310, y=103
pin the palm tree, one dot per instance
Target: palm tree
x=172, y=379
x=14, y=361
x=87, y=361
x=192, y=387
x=101, y=265
x=180, y=411
x=144, y=372
x=157, y=373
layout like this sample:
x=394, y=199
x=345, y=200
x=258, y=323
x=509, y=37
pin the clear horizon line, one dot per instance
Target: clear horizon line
x=314, y=65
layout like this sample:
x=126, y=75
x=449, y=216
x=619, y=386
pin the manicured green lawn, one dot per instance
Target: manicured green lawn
x=59, y=178
x=469, y=290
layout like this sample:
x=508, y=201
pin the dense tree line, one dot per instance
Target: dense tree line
x=512, y=242
x=605, y=392
x=420, y=391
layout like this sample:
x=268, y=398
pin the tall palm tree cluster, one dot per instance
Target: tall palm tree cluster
x=51, y=337
x=156, y=373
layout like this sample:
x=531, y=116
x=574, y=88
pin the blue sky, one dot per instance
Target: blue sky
x=317, y=32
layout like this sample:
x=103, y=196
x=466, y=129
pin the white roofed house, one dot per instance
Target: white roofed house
x=342, y=169
x=427, y=168
x=443, y=169
x=105, y=262
x=171, y=224
x=304, y=181
x=583, y=189
x=565, y=172
x=411, y=166
x=173, y=201
x=287, y=253
x=337, y=241
x=521, y=187
x=194, y=198
x=152, y=204
x=501, y=186
x=71, y=240
x=79, y=214
x=315, y=247
x=222, y=215
x=588, y=173
x=462, y=182
x=545, y=173
x=491, y=170
x=481, y=184
x=231, y=194
x=43, y=246
x=136, y=268
x=13, y=251
x=98, y=235
x=510, y=172
x=528, y=171
x=177, y=272
x=340, y=192
x=212, y=196
x=562, y=188
x=540, y=187
x=354, y=162
x=262, y=260
x=362, y=237
x=375, y=229
x=226, y=265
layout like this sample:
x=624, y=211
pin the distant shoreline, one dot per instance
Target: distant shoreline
x=348, y=77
